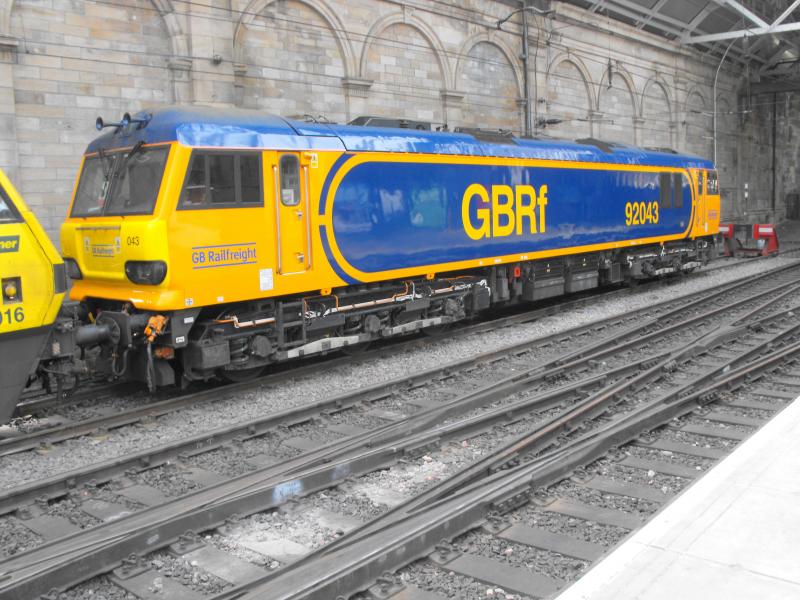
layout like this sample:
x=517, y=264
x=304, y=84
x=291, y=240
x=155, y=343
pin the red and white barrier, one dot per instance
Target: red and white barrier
x=759, y=239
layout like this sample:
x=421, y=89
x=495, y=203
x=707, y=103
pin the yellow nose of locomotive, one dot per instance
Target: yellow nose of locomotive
x=32, y=286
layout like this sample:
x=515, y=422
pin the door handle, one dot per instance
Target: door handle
x=299, y=214
x=300, y=256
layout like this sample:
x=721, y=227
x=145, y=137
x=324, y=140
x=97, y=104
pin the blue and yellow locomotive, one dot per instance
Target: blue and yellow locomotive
x=208, y=242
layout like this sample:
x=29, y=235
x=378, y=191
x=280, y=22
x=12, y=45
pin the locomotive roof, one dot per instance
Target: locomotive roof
x=238, y=128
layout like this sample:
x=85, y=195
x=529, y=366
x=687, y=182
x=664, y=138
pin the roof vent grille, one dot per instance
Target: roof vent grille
x=390, y=122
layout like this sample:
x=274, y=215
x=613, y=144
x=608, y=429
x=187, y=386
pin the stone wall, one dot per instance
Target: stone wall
x=64, y=62
x=756, y=149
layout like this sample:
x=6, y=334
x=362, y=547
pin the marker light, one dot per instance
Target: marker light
x=73, y=270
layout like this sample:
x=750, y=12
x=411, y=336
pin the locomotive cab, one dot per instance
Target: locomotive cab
x=707, y=208
x=32, y=287
x=114, y=244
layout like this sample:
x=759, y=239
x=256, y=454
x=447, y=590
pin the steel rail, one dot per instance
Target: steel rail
x=396, y=345
x=238, y=495
x=312, y=365
x=33, y=440
x=599, y=403
x=102, y=472
x=88, y=552
x=352, y=567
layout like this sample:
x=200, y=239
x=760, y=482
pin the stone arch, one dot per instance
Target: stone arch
x=165, y=8
x=567, y=57
x=698, y=124
x=617, y=126
x=292, y=66
x=493, y=39
x=255, y=7
x=619, y=72
x=178, y=39
x=401, y=18
x=656, y=82
x=656, y=106
x=87, y=86
x=694, y=93
x=725, y=112
x=491, y=85
x=569, y=96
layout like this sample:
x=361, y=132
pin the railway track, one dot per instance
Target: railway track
x=45, y=414
x=519, y=511
x=43, y=439
x=55, y=409
x=553, y=402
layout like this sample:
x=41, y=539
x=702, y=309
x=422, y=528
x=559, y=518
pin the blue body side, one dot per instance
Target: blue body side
x=401, y=215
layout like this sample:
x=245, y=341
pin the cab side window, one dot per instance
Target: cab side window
x=8, y=213
x=195, y=190
x=290, y=180
x=712, y=183
x=665, y=189
x=677, y=189
x=222, y=180
x=250, y=171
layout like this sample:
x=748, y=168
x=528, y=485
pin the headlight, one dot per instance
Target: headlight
x=149, y=272
x=73, y=270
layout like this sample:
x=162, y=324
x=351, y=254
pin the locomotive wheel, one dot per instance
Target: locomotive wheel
x=437, y=330
x=356, y=349
x=241, y=375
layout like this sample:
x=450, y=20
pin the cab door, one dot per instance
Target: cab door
x=699, y=202
x=292, y=218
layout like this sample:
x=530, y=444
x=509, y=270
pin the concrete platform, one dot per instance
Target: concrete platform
x=733, y=535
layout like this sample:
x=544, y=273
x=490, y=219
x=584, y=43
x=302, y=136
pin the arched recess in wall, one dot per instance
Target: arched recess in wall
x=617, y=105
x=569, y=96
x=180, y=45
x=165, y=8
x=291, y=57
x=656, y=112
x=254, y=8
x=379, y=28
x=58, y=96
x=408, y=65
x=698, y=125
x=490, y=78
